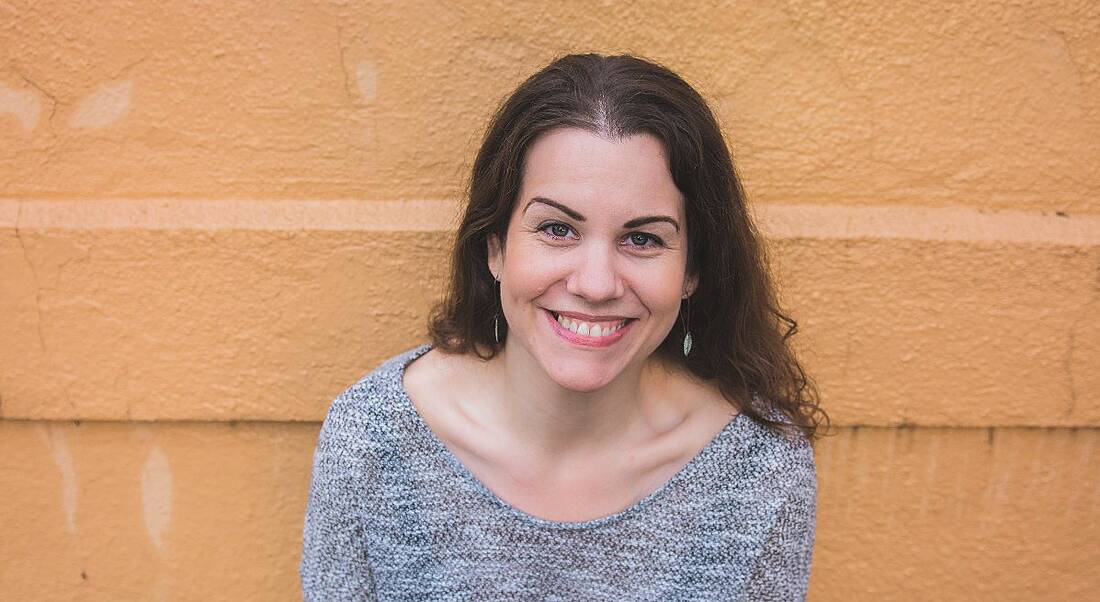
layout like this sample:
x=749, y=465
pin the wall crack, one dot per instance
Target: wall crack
x=34, y=274
x=54, y=103
x=341, y=51
x=1071, y=343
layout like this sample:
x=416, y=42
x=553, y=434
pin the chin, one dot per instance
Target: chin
x=581, y=377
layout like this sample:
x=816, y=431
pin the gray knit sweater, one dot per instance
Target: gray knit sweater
x=394, y=515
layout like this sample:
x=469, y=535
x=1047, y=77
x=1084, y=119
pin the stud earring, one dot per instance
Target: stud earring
x=687, y=333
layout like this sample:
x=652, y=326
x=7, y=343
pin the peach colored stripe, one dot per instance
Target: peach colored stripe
x=776, y=220
x=963, y=224
x=198, y=214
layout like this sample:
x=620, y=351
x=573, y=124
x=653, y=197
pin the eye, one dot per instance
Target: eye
x=556, y=230
x=642, y=240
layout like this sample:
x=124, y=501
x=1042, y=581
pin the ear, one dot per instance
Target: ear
x=691, y=282
x=496, y=256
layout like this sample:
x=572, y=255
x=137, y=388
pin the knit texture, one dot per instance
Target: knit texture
x=394, y=515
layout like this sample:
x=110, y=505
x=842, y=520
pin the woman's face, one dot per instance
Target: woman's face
x=596, y=243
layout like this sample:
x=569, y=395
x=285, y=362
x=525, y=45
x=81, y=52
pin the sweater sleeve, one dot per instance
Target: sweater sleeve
x=782, y=572
x=334, y=564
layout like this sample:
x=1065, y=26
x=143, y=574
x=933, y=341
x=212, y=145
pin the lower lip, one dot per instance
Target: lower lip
x=587, y=341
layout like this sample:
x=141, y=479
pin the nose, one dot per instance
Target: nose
x=595, y=275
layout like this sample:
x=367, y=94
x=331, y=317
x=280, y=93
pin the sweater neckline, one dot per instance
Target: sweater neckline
x=735, y=423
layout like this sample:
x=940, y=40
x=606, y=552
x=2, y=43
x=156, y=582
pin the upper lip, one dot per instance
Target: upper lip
x=588, y=318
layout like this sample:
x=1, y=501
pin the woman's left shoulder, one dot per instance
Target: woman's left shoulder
x=786, y=453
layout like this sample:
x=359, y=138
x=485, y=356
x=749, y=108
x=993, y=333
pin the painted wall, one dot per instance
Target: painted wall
x=216, y=216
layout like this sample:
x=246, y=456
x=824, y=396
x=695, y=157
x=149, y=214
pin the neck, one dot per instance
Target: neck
x=558, y=424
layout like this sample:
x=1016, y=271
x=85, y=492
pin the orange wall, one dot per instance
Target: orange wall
x=215, y=217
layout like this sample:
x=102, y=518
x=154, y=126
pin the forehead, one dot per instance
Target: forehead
x=593, y=174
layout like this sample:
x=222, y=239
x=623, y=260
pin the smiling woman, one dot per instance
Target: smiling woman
x=604, y=197
x=572, y=430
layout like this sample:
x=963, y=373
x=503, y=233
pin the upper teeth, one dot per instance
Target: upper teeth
x=590, y=329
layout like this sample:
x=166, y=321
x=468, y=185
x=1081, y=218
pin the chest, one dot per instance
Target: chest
x=569, y=494
x=580, y=488
x=587, y=487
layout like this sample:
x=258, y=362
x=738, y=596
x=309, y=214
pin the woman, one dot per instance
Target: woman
x=608, y=409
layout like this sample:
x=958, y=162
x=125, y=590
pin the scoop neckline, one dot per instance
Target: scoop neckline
x=466, y=475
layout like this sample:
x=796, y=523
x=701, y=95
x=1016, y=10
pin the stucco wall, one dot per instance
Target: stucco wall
x=214, y=217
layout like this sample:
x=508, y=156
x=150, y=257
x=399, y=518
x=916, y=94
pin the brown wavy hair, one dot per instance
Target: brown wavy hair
x=740, y=335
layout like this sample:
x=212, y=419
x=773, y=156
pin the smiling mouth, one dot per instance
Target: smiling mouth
x=590, y=328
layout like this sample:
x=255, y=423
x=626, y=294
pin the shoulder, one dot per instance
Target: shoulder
x=383, y=381
x=785, y=530
x=440, y=384
x=785, y=460
x=372, y=404
x=437, y=371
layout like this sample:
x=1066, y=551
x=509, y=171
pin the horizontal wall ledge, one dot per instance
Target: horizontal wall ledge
x=204, y=310
x=216, y=215
x=832, y=431
x=797, y=220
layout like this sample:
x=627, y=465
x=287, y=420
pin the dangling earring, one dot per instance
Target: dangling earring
x=496, y=318
x=687, y=333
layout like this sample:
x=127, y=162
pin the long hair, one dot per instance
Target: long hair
x=740, y=335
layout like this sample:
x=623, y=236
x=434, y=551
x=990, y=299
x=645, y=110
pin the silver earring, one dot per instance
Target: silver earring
x=496, y=318
x=687, y=333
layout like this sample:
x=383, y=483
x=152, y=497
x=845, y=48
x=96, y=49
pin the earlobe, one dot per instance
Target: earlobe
x=495, y=259
x=690, y=284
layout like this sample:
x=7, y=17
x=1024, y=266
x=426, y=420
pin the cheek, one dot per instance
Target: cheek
x=530, y=272
x=663, y=301
x=661, y=290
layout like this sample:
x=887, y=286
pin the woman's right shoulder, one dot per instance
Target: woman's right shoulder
x=376, y=400
x=437, y=373
x=386, y=377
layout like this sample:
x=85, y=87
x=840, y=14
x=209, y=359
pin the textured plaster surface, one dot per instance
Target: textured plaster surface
x=214, y=217
x=219, y=325
x=957, y=514
x=994, y=104
x=192, y=511
x=241, y=311
x=173, y=511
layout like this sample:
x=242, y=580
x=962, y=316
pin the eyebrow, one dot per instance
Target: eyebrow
x=634, y=223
